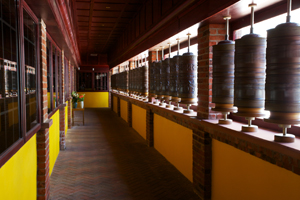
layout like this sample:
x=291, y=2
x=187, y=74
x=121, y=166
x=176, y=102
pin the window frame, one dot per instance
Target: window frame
x=25, y=136
x=57, y=66
x=93, y=72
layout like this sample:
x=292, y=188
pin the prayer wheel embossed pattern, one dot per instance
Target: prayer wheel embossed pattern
x=174, y=67
x=187, y=84
x=250, y=75
x=223, y=76
x=152, y=79
x=283, y=74
x=165, y=77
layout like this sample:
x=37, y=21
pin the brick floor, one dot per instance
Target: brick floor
x=105, y=159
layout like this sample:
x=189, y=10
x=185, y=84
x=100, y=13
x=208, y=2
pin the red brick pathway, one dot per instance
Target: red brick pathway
x=105, y=159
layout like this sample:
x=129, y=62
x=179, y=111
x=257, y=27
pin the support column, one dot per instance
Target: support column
x=202, y=164
x=149, y=128
x=129, y=112
x=62, y=123
x=208, y=36
x=43, y=180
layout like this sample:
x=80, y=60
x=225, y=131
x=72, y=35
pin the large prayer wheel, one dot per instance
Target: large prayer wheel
x=173, y=88
x=250, y=75
x=283, y=74
x=165, y=78
x=144, y=72
x=187, y=84
x=152, y=91
x=223, y=76
x=158, y=77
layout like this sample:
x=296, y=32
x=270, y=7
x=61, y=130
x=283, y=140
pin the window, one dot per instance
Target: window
x=29, y=28
x=9, y=73
x=54, y=77
x=100, y=81
x=67, y=92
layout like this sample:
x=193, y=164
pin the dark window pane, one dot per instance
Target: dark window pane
x=49, y=67
x=54, y=68
x=30, y=71
x=9, y=68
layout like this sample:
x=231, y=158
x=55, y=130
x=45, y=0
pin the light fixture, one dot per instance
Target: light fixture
x=93, y=69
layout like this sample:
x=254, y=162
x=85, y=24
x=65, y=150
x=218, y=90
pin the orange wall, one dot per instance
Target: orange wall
x=124, y=110
x=239, y=175
x=115, y=104
x=139, y=120
x=175, y=143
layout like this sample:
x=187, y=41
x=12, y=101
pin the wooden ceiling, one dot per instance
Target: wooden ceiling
x=99, y=24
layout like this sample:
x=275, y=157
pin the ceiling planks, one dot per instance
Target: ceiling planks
x=100, y=23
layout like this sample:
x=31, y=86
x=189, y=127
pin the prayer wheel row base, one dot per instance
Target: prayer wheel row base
x=286, y=138
x=169, y=106
x=225, y=121
x=177, y=108
x=251, y=128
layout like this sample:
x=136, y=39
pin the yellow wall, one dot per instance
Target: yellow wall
x=239, y=175
x=175, y=143
x=124, y=110
x=18, y=176
x=54, y=138
x=139, y=120
x=115, y=104
x=66, y=118
x=95, y=99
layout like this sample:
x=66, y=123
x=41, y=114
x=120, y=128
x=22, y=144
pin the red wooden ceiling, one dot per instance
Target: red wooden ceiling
x=99, y=23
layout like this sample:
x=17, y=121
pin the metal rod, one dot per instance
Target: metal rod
x=289, y=7
x=178, y=46
x=188, y=42
x=227, y=18
x=162, y=53
x=157, y=54
x=252, y=5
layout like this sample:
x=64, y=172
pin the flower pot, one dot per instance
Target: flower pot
x=81, y=104
x=74, y=104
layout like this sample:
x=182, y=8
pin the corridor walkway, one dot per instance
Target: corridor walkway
x=105, y=159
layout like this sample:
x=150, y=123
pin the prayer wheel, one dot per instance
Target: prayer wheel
x=249, y=75
x=152, y=81
x=174, y=77
x=187, y=84
x=144, y=72
x=165, y=73
x=158, y=76
x=283, y=77
x=157, y=71
x=223, y=78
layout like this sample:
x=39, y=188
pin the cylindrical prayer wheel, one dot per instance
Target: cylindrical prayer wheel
x=152, y=77
x=165, y=77
x=158, y=77
x=187, y=84
x=173, y=88
x=249, y=75
x=283, y=74
x=144, y=81
x=223, y=76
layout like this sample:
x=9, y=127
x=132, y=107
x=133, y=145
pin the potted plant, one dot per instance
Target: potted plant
x=81, y=100
x=75, y=97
